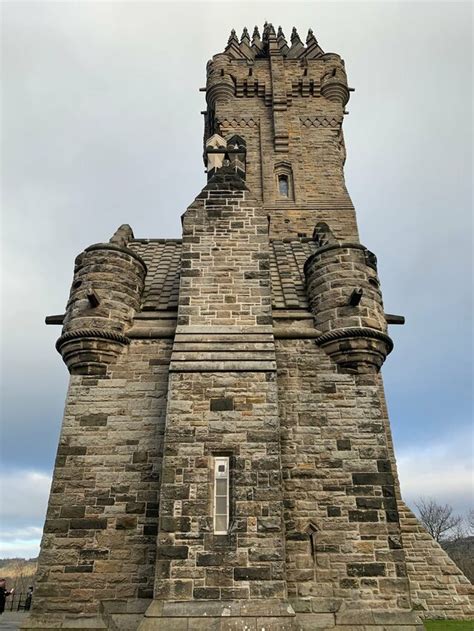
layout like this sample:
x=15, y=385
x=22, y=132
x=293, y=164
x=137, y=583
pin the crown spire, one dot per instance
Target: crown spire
x=232, y=38
x=233, y=46
x=281, y=41
x=297, y=46
x=256, y=41
x=294, y=36
x=245, y=47
x=312, y=47
x=245, y=36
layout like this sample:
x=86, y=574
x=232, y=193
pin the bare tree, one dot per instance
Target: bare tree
x=470, y=521
x=439, y=520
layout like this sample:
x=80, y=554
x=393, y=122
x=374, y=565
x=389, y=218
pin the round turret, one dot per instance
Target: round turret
x=344, y=296
x=220, y=86
x=105, y=294
x=334, y=81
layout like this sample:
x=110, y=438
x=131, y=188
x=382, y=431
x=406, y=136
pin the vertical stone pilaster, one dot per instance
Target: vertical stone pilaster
x=223, y=401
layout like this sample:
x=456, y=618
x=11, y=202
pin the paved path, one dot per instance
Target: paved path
x=11, y=620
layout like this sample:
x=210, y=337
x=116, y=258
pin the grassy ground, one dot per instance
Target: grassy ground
x=449, y=625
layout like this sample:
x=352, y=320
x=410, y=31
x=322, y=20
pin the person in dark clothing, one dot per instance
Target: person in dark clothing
x=3, y=594
x=29, y=597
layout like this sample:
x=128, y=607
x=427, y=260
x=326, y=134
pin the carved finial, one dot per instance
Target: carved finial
x=313, y=50
x=256, y=41
x=122, y=236
x=311, y=37
x=294, y=36
x=297, y=47
x=245, y=36
x=266, y=28
x=232, y=37
x=271, y=30
x=282, y=43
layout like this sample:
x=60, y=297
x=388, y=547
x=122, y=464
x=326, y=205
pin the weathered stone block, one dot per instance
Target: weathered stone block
x=222, y=404
x=366, y=569
x=88, y=524
x=172, y=552
x=252, y=573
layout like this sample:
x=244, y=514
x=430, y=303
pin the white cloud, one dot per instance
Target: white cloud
x=22, y=548
x=24, y=498
x=24, y=495
x=23, y=534
x=20, y=542
x=442, y=470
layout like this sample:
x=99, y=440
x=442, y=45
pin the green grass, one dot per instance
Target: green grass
x=449, y=625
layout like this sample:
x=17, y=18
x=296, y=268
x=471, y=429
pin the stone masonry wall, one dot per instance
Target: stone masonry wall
x=438, y=587
x=235, y=415
x=342, y=527
x=225, y=259
x=99, y=541
x=314, y=154
x=223, y=401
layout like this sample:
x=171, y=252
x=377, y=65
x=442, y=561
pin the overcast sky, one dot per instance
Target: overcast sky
x=101, y=126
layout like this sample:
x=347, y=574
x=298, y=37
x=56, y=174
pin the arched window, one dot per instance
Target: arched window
x=284, y=181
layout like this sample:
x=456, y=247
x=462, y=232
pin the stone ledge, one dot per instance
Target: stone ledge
x=232, y=329
x=47, y=622
x=220, y=608
x=223, y=366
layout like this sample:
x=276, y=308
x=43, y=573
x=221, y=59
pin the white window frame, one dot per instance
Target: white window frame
x=219, y=461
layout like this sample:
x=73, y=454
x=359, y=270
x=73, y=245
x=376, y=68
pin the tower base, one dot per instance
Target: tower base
x=268, y=615
x=220, y=615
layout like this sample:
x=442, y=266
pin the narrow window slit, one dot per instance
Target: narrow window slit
x=221, y=495
x=311, y=531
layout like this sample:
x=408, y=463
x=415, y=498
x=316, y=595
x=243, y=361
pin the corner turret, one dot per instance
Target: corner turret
x=344, y=296
x=105, y=294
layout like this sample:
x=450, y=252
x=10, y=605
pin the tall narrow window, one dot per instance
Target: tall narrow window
x=221, y=495
x=283, y=186
x=284, y=182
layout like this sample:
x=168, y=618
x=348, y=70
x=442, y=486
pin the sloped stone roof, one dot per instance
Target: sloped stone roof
x=287, y=259
x=163, y=259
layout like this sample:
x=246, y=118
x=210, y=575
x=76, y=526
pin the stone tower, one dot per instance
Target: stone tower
x=225, y=459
